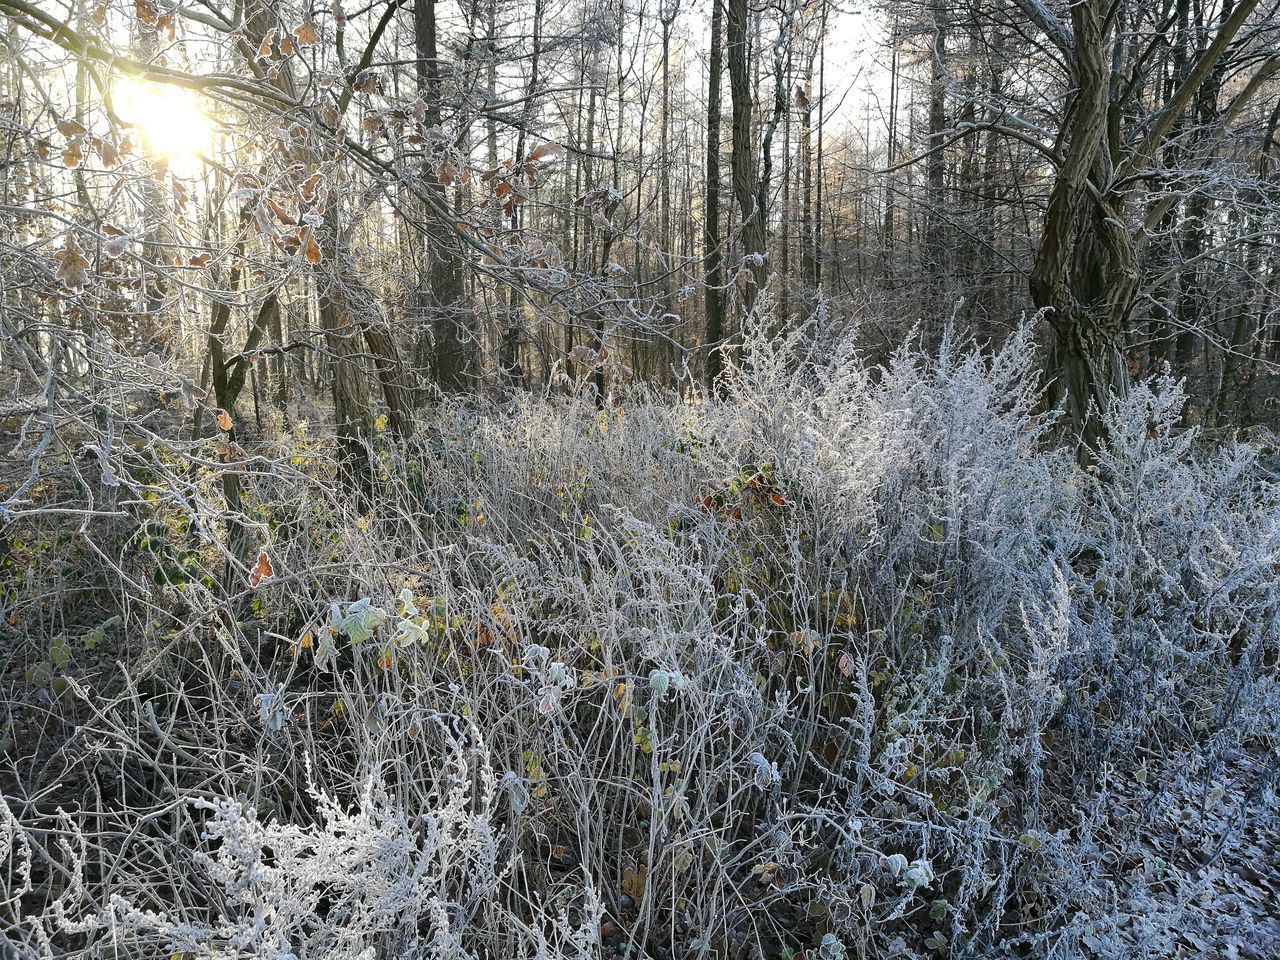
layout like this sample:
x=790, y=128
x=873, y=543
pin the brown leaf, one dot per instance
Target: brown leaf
x=201, y=259
x=633, y=881
x=145, y=10
x=286, y=45
x=339, y=17
x=313, y=249
x=264, y=51
x=72, y=265
x=110, y=154
x=367, y=81
x=305, y=34
x=224, y=421
x=544, y=151
x=115, y=246
x=309, y=185
x=69, y=128
x=289, y=242
x=72, y=156
x=280, y=212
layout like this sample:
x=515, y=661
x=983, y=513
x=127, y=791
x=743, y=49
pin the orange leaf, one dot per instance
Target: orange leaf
x=313, y=249
x=544, y=151
x=280, y=213
x=264, y=51
x=262, y=570
x=224, y=421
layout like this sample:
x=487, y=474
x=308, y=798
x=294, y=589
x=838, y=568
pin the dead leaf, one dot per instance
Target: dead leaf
x=264, y=51
x=262, y=570
x=633, y=881
x=280, y=212
x=313, y=249
x=367, y=81
x=116, y=246
x=544, y=151
x=224, y=421
x=308, y=187
x=305, y=34
x=72, y=265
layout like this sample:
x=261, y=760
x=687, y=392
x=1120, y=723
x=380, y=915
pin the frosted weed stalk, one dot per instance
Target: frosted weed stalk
x=848, y=663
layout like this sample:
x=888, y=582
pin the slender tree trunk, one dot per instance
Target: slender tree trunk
x=711, y=224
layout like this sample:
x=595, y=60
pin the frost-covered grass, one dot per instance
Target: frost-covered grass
x=846, y=663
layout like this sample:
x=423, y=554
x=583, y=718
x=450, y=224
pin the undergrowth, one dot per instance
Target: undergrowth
x=846, y=663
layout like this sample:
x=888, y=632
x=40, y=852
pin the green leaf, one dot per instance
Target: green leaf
x=60, y=652
x=40, y=674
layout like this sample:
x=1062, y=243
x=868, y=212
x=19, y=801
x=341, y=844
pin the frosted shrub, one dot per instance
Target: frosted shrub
x=850, y=662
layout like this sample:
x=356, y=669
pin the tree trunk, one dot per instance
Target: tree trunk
x=742, y=157
x=711, y=229
x=1069, y=277
x=454, y=363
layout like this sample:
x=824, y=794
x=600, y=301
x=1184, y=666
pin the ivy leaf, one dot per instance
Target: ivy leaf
x=60, y=652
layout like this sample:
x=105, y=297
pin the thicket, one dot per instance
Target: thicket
x=848, y=662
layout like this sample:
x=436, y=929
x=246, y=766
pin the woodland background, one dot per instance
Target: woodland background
x=607, y=478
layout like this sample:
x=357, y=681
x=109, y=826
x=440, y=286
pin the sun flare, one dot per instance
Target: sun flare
x=169, y=118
